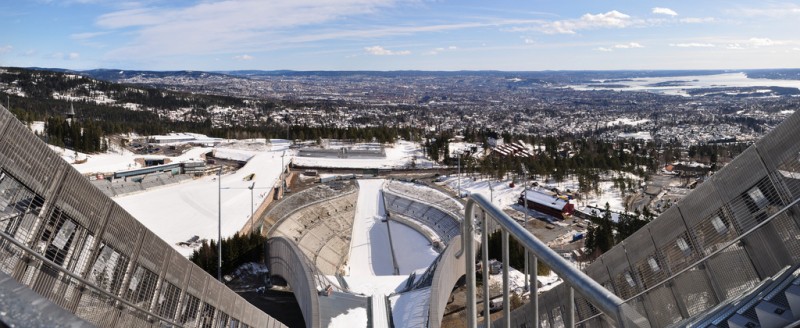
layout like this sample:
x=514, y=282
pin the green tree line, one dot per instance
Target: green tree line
x=236, y=250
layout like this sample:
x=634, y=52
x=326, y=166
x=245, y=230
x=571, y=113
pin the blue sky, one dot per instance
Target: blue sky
x=399, y=35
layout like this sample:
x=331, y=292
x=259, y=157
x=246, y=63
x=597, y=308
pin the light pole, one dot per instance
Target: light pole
x=252, y=210
x=491, y=192
x=282, y=156
x=219, y=225
x=459, y=173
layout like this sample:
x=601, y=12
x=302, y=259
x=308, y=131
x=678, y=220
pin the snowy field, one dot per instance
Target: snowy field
x=642, y=135
x=516, y=281
x=505, y=196
x=626, y=121
x=498, y=191
x=177, y=212
x=400, y=155
x=120, y=159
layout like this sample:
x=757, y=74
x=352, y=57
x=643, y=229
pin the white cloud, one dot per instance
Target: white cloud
x=6, y=49
x=439, y=50
x=62, y=56
x=216, y=26
x=244, y=57
x=696, y=20
x=775, y=11
x=87, y=35
x=529, y=41
x=628, y=45
x=664, y=11
x=762, y=42
x=692, y=45
x=611, y=19
x=754, y=43
x=796, y=49
x=381, y=51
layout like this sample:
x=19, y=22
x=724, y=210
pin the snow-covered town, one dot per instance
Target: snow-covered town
x=393, y=164
x=208, y=186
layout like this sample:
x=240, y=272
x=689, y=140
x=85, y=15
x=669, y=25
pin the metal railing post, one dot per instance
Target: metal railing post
x=534, y=295
x=485, y=255
x=468, y=240
x=571, y=308
x=527, y=272
x=506, y=303
x=605, y=300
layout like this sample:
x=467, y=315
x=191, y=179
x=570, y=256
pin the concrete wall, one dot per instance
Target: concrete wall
x=288, y=262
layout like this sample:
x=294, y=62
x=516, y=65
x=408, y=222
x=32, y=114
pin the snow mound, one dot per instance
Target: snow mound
x=353, y=318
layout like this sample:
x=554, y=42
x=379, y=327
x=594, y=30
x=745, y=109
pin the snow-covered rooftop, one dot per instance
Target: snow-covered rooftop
x=546, y=199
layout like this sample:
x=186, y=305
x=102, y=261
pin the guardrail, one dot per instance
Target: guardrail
x=71, y=244
x=704, y=261
x=76, y=289
x=492, y=218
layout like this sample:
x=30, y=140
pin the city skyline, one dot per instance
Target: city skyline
x=399, y=35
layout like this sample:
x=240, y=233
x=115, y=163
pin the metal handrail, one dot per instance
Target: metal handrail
x=81, y=280
x=705, y=258
x=605, y=300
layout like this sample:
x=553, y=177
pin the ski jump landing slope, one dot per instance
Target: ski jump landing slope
x=370, y=251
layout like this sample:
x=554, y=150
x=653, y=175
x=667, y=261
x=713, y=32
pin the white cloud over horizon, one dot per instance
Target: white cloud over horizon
x=611, y=19
x=664, y=11
x=439, y=50
x=327, y=34
x=87, y=35
x=774, y=10
x=697, y=20
x=692, y=45
x=381, y=51
x=755, y=43
x=630, y=45
x=224, y=26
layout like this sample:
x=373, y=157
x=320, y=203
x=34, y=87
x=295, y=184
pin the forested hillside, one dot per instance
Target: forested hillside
x=111, y=108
